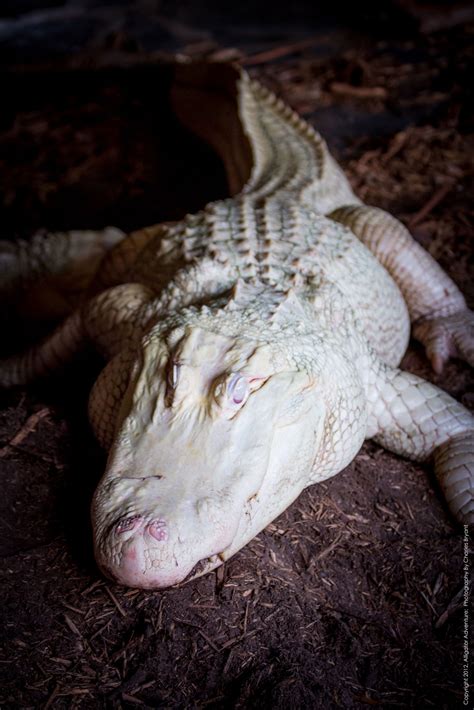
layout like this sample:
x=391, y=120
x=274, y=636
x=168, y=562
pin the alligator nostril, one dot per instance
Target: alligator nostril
x=158, y=529
x=127, y=524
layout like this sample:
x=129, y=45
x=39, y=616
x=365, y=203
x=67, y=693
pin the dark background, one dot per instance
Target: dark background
x=353, y=597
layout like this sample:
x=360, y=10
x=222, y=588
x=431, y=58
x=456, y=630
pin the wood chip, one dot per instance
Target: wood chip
x=52, y=698
x=72, y=625
x=28, y=427
x=327, y=551
x=359, y=92
x=131, y=699
x=120, y=608
x=438, y=196
x=209, y=641
x=278, y=52
x=455, y=604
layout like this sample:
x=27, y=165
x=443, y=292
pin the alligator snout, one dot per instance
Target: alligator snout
x=140, y=555
x=157, y=553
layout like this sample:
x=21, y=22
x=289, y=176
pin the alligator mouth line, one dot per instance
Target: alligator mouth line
x=207, y=564
x=200, y=568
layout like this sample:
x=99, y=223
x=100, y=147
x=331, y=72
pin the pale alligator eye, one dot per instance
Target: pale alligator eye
x=238, y=389
x=173, y=374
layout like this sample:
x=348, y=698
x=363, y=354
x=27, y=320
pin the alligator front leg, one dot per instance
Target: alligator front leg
x=413, y=418
x=115, y=321
x=438, y=312
x=46, y=357
x=106, y=397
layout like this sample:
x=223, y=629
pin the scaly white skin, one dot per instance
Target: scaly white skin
x=223, y=423
x=252, y=347
x=177, y=498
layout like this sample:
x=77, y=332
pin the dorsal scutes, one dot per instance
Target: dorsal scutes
x=288, y=154
x=290, y=160
x=290, y=308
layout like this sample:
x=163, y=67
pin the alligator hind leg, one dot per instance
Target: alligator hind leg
x=46, y=276
x=110, y=322
x=45, y=357
x=438, y=312
x=413, y=418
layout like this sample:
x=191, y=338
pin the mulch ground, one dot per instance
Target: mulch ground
x=351, y=598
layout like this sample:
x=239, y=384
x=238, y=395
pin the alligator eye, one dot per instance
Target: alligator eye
x=173, y=374
x=238, y=389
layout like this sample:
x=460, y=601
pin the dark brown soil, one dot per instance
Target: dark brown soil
x=352, y=598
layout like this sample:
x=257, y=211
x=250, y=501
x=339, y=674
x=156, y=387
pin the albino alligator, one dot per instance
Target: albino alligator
x=251, y=347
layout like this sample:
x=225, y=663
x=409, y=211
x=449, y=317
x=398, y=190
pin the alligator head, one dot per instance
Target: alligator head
x=218, y=436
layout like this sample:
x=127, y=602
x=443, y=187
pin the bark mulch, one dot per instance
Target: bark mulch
x=353, y=597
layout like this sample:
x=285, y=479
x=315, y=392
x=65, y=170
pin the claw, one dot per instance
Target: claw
x=437, y=363
x=447, y=336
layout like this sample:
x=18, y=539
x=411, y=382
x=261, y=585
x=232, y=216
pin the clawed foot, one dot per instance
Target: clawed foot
x=447, y=336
